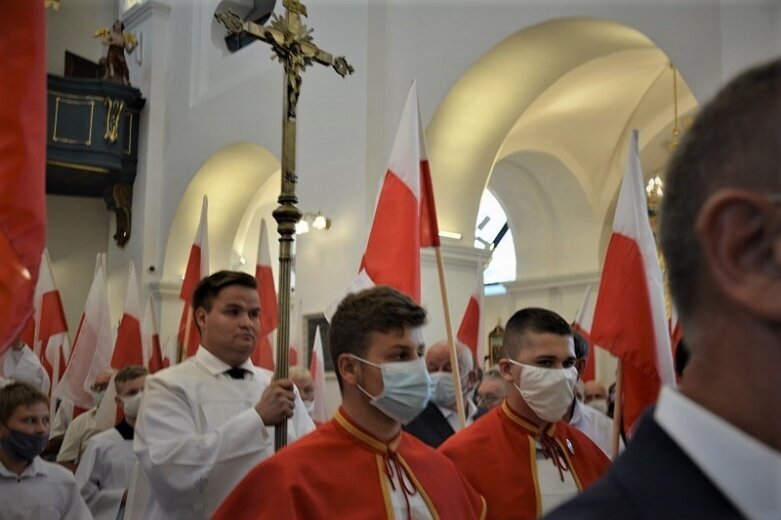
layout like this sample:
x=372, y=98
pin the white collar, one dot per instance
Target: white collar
x=746, y=471
x=470, y=410
x=214, y=365
x=34, y=468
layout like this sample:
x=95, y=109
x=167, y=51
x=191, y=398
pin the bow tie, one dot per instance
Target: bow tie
x=237, y=372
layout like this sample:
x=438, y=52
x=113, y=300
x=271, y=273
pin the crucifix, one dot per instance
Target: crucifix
x=292, y=44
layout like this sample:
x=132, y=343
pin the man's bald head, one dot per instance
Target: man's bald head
x=593, y=390
x=438, y=358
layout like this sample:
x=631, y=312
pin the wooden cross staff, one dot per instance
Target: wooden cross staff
x=292, y=44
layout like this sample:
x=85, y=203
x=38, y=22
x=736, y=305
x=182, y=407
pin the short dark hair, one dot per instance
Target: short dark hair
x=379, y=309
x=531, y=319
x=18, y=394
x=208, y=288
x=735, y=141
x=129, y=373
x=581, y=346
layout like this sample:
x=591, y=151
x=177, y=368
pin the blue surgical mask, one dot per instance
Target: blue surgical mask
x=406, y=389
x=443, y=391
x=24, y=446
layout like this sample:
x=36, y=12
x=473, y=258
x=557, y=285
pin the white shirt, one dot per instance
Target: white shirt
x=597, y=426
x=198, y=434
x=44, y=491
x=746, y=471
x=25, y=367
x=452, y=415
x=553, y=490
x=79, y=432
x=104, y=473
x=418, y=508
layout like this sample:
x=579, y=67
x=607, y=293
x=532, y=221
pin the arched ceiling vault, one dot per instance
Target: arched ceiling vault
x=571, y=89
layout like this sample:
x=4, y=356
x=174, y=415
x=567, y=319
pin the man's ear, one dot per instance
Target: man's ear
x=739, y=234
x=504, y=370
x=348, y=369
x=200, y=317
x=580, y=366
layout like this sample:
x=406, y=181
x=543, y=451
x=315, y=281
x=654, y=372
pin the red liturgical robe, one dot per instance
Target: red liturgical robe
x=339, y=471
x=497, y=455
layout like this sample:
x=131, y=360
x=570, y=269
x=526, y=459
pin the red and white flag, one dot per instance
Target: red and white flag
x=22, y=162
x=263, y=354
x=92, y=346
x=50, y=331
x=197, y=269
x=629, y=318
x=129, y=348
x=169, y=352
x=470, y=332
x=405, y=217
x=582, y=325
x=317, y=371
x=150, y=339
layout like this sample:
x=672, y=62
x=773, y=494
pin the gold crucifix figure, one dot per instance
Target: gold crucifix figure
x=292, y=44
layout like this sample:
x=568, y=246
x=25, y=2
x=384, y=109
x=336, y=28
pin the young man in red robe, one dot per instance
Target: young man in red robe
x=520, y=456
x=361, y=464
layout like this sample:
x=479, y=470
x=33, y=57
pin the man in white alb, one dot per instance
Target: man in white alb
x=104, y=471
x=22, y=365
x=206, y=422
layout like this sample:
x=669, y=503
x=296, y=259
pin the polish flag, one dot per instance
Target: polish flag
x=405, y=216
x=263, y=354
x=317, y=371
x=197, y=269
x=630, y=319
x=582, y=325
x=150, y=339
x=169, y=353
x=470, y=332
x=22, y=162
x=50, y=331
x=92, y=346
x=129, y=349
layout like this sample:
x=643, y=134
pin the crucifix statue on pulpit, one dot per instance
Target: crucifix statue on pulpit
x=292, y=44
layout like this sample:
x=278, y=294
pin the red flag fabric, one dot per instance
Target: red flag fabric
x=150, y=337
x=317, y=371
x=197, y=269
x=128, y=348
x=405, y=214
x=22, y=162
x=297, y=336
x=263, y=355
x=92, y=346
x=629, y=318
x=582, y=325
x=470, y=332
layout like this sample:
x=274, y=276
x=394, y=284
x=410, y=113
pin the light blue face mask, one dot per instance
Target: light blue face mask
x=406, y=389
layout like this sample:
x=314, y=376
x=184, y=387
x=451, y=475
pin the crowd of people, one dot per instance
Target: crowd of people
x=196, y=440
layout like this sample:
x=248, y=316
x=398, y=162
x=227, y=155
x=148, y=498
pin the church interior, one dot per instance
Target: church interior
x=527, y=105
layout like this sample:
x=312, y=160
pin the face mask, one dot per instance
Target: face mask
x=310, y=407
x=24, y=446
x=599, y=404
x=443, y=391
x=547, y=391
x=131, y=404
x=406, y=389
x=98, y=397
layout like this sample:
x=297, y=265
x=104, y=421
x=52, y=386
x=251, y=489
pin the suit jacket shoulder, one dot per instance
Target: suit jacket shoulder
x=652, y=479
x=430, y=426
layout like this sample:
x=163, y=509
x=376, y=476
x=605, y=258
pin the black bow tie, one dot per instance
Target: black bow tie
x=237, y=372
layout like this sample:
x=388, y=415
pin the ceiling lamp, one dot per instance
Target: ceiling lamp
x=310, y=221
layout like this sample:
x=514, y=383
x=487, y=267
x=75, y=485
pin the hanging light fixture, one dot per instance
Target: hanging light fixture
x=311, y=221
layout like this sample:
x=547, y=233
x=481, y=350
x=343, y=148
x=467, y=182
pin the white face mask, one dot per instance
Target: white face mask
x=547, y=391
x=443, y=391
x=131, y=404
x=406, y=389
x=599, y=404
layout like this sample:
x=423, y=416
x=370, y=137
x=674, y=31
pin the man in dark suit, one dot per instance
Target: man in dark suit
x=713, y=448
x=439, y=420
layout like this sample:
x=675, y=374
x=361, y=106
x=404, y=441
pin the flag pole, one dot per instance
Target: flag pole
x=618, y=409
x=455, y=372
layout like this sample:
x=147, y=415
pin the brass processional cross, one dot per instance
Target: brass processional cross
x=292, y=44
